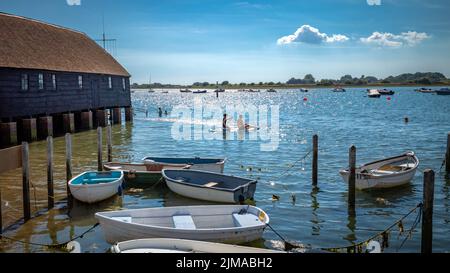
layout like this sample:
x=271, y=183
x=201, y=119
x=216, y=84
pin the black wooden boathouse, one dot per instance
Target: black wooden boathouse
x=54, y=79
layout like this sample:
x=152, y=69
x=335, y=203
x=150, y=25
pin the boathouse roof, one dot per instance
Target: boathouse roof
x=31, y=44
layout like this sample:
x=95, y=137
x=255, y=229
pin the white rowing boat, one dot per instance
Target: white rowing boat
x=92, y=187
x=166, y=245
x=217, y=223
x=193, y=163
x=385, y=173
x=210, y=186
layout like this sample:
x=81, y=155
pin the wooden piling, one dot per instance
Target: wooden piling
x=315, y=160
x=447, y=156
x=352, y=180
x=50, y=194
x=68, y=163
x=1, y=217
x=99, y=149
x=109, y=142
x=427, y=212
x=26, y=181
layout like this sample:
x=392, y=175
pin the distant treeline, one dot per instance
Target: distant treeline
x=428, y=78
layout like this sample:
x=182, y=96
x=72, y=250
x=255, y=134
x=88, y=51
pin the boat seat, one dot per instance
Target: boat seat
x=183, y=222
x=210, y=184
x=96, y=180
x=245, y=220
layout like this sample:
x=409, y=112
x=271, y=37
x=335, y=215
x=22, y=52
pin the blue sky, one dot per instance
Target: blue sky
x=182, y=41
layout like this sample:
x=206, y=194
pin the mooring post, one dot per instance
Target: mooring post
x=427, y=212
x=447, y=156
x=352, y=180
x=1, y=223
x=315, y=160
x=68, y=163
x=109, y=142
x=50, y=194
x=99, y=149
x=26, y=181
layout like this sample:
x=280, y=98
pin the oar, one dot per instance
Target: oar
x=287, y=246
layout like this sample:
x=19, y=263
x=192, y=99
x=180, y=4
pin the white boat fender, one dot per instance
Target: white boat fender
x=73, y=247
x=373, y=247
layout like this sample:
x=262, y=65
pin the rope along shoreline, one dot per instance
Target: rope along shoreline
x=357, y=248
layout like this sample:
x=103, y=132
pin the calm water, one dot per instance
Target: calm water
x=318, y=218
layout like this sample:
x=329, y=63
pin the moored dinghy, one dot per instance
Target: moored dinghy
x=222, y=223
x=210, y=186
x=91, y=187
x=195, y=163
x=138, y=172
x=165, y=245
x=385, y=173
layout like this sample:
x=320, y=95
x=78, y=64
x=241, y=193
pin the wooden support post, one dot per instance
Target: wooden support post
x=26, y=181
x=100, y=117
x=68, y=163
x=45, y=127
x=29, y=129
x=8, y=134
x=69, y=123
x=427, y=212
x=50, y=193
x=1, y=217
x=116, y=115
x=129, y=114
x=352, y=180
x=86, y=120
x=315, y=160
x=447, y=155
x=109, y=142
x=99, y=149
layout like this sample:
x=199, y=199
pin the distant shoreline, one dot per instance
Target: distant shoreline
x=293, y=86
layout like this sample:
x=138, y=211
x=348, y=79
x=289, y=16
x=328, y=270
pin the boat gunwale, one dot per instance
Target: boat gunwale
x=106, y=166
x=220, y=161
x=120, y=179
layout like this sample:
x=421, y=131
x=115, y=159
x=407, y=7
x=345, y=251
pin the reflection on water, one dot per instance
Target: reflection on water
x=317, y=217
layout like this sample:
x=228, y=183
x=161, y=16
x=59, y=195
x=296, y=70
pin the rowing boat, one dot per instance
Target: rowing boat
x=92, y=187
x=210, y=186
x=214, y=223
x=386, y=173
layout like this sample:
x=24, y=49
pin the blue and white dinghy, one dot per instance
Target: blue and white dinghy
x=210, y=186
x=92, y=187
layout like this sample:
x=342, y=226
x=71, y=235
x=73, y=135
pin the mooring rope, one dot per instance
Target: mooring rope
x=383, y=234
x=50, y=246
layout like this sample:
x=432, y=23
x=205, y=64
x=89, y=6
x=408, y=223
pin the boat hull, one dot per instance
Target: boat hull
x=117, y=230
x=164, y=245
x=363, y=182
x=96, y=192
x=241, y=192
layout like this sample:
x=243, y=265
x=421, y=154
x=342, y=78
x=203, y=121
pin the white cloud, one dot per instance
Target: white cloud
x=374, y=2
x=387, y=39
x=311, y=35
x=252, y=5
x=73, y=2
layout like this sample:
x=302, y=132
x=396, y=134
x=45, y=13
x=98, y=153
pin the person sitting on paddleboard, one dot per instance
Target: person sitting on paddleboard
x=241, y=125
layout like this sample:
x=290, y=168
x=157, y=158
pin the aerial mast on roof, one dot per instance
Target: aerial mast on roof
x=108, y=44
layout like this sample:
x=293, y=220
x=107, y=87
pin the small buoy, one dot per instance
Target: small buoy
x=275, y=197
x=388, y=98
x=272, y=183
x=305, y=99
